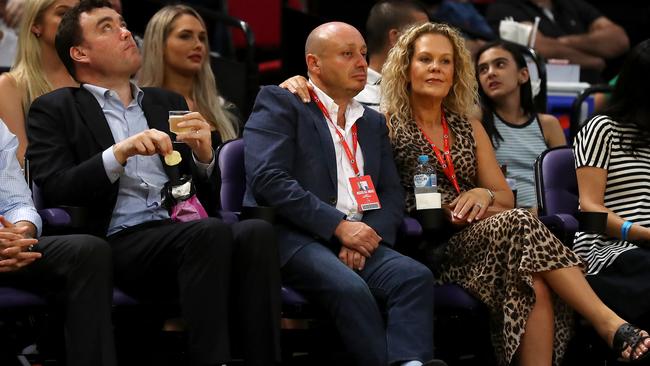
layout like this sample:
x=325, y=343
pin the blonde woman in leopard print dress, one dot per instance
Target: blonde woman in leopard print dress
x=503, y=256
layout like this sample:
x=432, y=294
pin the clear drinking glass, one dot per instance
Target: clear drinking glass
x=174, y=118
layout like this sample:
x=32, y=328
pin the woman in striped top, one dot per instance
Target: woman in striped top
x=517, y=132
x=612, y=153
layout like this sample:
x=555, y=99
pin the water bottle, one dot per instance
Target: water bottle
x=425, y=185
x=512, y=182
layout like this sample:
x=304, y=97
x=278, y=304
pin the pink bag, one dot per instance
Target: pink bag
x=182, y=202
x=189, y=210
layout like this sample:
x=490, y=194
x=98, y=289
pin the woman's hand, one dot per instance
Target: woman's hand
x=299, y=86
x=471, y=205
x=453, y=220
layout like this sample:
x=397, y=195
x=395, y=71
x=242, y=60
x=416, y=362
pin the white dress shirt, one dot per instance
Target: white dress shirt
x=370, y=96
x=345, y=202
x=15, y=197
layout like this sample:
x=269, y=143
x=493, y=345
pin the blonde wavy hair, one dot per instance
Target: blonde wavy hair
x=27, y=69
x=395, y=86
x=204, y=89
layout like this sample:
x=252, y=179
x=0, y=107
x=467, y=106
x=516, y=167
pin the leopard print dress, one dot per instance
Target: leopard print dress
x=494, y=258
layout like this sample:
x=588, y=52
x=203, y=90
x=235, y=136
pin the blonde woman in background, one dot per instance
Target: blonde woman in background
x=37, y=69
x=176, y=57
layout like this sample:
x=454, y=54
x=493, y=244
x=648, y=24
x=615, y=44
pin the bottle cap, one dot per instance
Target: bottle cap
x=423, y=159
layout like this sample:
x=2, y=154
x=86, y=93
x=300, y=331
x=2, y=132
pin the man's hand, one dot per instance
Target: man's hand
x=299, y=86
x=147, y=143
x=357, y=236
x=198, y=138
x=14, y=12
x=352, y=259
x=15, y=246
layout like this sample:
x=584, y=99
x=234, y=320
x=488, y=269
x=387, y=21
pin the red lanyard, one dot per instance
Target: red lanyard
x=349, y=153
x=446, y=163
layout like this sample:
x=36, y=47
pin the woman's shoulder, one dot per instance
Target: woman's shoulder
x=8, y=84
x=460, y=124
x=547, y=119
x=12, y=93
x=601, y=122
x=598, y=127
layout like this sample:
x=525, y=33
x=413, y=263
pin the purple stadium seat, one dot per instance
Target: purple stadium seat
x=12, y=298
x=230, y=158
x=557, y=192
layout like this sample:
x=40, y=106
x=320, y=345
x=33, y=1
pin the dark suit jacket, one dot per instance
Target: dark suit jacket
x=67, y=133
x=290, y=165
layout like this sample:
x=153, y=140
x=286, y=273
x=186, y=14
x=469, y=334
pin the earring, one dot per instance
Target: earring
x=38, y=35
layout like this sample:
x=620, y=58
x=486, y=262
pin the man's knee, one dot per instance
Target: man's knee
x=352, y=289
x=209, y=236
x=255, y=237
x=416, y=273
x=88, y=249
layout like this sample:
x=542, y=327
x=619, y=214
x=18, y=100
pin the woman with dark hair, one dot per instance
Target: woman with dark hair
x=517, y=132
x=612, y=153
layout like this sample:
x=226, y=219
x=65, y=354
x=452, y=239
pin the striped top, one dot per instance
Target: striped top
x=627, y=192
x=520, y=146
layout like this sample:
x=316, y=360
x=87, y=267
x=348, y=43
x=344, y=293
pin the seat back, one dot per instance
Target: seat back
x=236, y=73
x=556, y=183
x=576, y=120
x=537, y=76
x=230, y=159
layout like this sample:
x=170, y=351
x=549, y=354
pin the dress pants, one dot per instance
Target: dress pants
x=196, y=262
x=347, y=295
x=75, y=270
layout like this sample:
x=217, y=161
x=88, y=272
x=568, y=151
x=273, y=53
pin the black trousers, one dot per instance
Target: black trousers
x=75, y=271
x=210, y=267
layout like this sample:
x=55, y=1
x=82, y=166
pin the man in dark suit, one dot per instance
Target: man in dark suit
x=335, y=244
x=100, y=146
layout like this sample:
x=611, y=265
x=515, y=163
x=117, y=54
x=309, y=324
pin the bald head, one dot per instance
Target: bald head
x=319, y=38
x=336, y=59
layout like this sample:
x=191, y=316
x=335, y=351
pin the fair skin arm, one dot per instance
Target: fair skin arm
x=553, y=48
x=591, y=187
x=14, y=12
x=464, y=208
x=604, y=39
x=11, y=112
x=299, y=86
x=15, y=239
x=553, y=133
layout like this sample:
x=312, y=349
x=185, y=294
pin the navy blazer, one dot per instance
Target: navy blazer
x=290, y=165
x=67, y=133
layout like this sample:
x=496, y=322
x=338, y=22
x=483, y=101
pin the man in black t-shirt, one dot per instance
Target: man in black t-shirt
x=569, y=29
